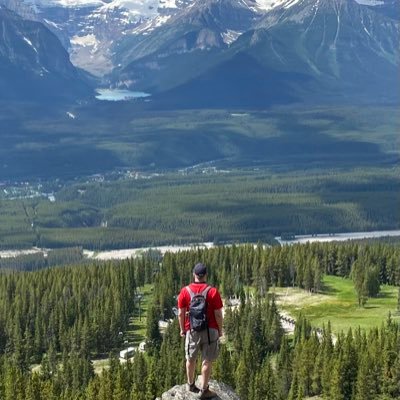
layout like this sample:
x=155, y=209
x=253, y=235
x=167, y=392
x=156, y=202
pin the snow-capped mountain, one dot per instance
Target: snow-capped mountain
x=100, y=34
x=88, y=29
x=241, y=49
x=333, y=50
x=33, y=63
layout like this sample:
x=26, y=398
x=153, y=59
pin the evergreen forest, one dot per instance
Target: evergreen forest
x=203, y=205
x=55, y=320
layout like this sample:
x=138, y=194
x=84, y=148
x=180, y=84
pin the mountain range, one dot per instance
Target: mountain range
x=298, y=51
x=227, y=52
x=33, y=63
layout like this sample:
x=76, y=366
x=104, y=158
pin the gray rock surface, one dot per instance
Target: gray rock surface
x=179, y=392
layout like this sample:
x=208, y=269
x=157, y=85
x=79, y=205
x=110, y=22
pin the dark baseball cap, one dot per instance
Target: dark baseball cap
x=200, y=269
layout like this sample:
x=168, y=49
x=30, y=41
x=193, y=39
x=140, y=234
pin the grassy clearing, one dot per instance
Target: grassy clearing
x=101, y=364
x=314, y=398
x=338, y=304
x=136, y=332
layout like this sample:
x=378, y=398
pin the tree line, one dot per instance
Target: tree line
x=31, y=262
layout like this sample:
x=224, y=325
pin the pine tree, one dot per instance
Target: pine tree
x=34, y=388
x=151, y=382
x=137, y=392
x=92, y=390
x=327, y=352
x=294, y=388
x=223, y=370
x=242, y=378
x=121, y=389
x=349, y=365
x=336, y=382
x=153, y=334
x=48, y=391
x=106, y=387
x=398, y=301
x=358, y=274
x=284, y=369
x=255, y=387
x=365, y=386
x=269, y=383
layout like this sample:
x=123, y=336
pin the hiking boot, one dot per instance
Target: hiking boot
x=207, y=394
x=192, y=388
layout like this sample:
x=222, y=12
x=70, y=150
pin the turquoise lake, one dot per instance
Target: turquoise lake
x=119, y=95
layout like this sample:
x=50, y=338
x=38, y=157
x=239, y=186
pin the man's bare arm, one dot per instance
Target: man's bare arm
x=220, y=320
x=181, y=317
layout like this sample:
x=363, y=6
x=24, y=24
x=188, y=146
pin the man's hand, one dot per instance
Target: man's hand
x=181, y=318
x=220, y=320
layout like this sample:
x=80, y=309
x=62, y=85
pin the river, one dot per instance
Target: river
x=339, y=237
x=128, y=253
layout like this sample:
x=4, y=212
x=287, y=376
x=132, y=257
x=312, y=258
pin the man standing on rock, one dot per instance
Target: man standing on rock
x=200, y=321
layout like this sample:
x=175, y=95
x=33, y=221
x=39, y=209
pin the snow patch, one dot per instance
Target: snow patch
x=167, y=4
x=51, y=23
x=230, y=36
x=144, y=8
x=30, y=43
x=290, y=3
x=139, y=8
x=68, y=3
x=161, y=20
x=370, y=2
x=85, y=41
x=148, y=26
x=267, y=5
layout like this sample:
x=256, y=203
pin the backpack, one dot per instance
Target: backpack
x=198, y=309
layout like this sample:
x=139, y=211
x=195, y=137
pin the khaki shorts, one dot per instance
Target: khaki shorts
x=198, y=341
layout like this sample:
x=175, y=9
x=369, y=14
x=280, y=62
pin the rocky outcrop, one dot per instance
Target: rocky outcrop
x=179, y=392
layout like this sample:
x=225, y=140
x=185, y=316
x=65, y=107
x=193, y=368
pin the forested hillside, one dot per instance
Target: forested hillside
x=203, y=205
x=63, y=317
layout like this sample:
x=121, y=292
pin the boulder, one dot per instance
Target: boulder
x=179, y=392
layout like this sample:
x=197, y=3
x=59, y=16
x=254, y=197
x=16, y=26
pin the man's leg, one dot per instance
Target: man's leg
x=206, y=368
x=190, y=370
x=192, y=347
x=205, y=392
x=209, y=354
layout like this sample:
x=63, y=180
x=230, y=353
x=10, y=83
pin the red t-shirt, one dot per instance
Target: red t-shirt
x=214, y=302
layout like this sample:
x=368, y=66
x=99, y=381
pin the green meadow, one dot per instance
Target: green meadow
x=338, y=304
x=136, y=332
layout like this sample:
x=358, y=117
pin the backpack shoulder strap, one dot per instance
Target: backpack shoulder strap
x=205, y=292
x=190, y=291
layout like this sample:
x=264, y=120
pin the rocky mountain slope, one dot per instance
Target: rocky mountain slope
x=102, y=34
x=33, y=63
x=232, y=52
x=316, y=50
